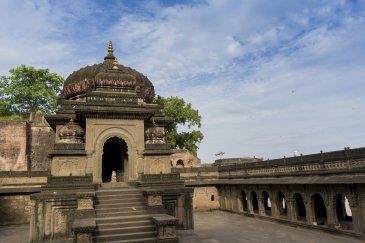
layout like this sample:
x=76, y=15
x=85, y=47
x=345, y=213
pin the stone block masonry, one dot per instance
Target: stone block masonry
x=13, y=142
x=14, y=209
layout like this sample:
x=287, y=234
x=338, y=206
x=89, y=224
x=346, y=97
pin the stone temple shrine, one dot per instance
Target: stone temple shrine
x=110, y=164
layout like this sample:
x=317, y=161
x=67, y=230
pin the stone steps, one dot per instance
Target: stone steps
x=125, y=230
x=115, y=208
x=124, y=224
x=121, y=215
x=126, y=236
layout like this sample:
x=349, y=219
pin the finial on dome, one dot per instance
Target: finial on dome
x=115, y=63
x=110, y=47
x=110, y=55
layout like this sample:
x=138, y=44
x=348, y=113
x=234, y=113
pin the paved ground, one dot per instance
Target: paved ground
x=223, y=227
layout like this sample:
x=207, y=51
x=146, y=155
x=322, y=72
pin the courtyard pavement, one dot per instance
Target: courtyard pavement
x=223, y=227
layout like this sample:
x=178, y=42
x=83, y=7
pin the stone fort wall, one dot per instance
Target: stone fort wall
x=24, y=165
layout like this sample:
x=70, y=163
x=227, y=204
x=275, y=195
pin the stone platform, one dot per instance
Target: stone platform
x=223, y=227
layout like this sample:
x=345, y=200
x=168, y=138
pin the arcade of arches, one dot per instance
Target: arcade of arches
x=296, y=204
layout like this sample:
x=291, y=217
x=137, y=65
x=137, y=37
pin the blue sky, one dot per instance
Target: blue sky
x=268, y=77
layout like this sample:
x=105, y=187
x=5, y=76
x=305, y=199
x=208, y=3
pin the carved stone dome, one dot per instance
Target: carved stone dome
x=107, y=74
x=71, y=133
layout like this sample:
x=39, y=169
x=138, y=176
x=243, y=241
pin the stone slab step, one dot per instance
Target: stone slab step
x=119, y=198
x=119, y=205
x=120, y=209
x=129, y=218
x=123, y=213
x=144, y=240
x=125, y=230
x=127, y=236
x=124, y=224
x=118, y=193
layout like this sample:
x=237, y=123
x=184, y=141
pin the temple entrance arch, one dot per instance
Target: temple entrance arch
x=114, y=158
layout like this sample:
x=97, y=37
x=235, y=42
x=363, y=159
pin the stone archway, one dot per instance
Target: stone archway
x=114, y=158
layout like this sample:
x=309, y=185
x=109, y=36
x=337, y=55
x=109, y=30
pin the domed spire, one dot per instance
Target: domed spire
x=110, y=55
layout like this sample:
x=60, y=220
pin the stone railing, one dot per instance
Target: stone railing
x=160, y=177
x=24, y=173
x=198, y=175
x=336, y=162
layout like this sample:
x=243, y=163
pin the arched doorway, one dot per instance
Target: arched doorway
x=267, y=203
x=281, y=203
x=115, y=157
x=255, y=203
x=244, y=201
x=300, y=207
x=319, y=209
x=180, y=163
x=343, y=212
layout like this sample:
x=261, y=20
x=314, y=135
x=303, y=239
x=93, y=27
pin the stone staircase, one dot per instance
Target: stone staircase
x=121, y=215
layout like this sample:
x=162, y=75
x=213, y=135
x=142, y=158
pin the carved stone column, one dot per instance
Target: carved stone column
x=32, y=221
x=331, y=214
x=261, y=205
x=291, y=208
x=309, y=211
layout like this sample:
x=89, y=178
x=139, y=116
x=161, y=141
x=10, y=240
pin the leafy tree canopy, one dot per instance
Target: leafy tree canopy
x=28, y=89
x=184, y=115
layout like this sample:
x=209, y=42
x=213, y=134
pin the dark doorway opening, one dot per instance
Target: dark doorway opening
x=300, y=207
x=255, y=203
x=115, y=156
x=244, y=201
x=267, y=203
x=281, y=202
x=320, y=211
x=343, y=212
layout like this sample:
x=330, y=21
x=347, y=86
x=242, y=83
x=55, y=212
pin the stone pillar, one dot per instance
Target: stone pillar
x=32, y=221
x=357, y=219
x=249, y=203
x=331, y=214
x=309, y=211
x=261, y=205
x=291, y=209
x=275, y=212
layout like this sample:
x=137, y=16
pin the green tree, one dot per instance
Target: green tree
x=185, y=115
x=28, y=89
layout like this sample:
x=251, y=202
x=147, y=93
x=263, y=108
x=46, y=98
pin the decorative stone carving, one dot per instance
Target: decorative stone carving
x=155, y=135
x=71, y=133
x=85, y=203
x=84, y=238
x=154, y=200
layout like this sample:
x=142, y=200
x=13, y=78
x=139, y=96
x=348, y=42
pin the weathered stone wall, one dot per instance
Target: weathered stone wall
x=14, y=209
x=205, y=198
x=13, y=144
x=42, y=140
x=24, y=143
